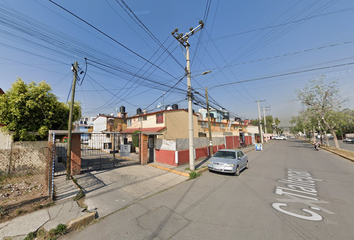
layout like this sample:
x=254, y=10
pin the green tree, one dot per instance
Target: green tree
x=269, y=120
x=26, y=108
x=324, y=101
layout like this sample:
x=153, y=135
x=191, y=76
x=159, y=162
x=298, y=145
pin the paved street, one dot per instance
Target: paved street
x=289, y=192
x=343, y=145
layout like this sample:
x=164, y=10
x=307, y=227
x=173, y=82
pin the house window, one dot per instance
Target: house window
x=144, y=118
x=140, y=119
x=129, y=122
x=222, y=126
x=108, y=135
x=159, y=118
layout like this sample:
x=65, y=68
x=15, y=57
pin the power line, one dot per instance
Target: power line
x=284, y=74
x=100, y=31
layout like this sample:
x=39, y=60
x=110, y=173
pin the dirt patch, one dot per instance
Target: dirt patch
x=342, y=152
x=20, y=195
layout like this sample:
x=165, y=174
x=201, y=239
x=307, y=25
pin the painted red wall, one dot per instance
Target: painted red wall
x=201, y=152
x=236, y=141
x=165, y=157
x=183, y=157
x=232, y=142
x=248, y=140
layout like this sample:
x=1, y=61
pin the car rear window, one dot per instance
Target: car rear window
x=225, y=154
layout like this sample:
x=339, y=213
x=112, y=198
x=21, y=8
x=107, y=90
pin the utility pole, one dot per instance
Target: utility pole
x=68, y=156
x=183, y=40
x=259, y=119
x=265, y=122
x=209, y=125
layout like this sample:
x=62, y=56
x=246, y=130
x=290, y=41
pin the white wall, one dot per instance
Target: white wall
x=100, y=124
x=5, y=140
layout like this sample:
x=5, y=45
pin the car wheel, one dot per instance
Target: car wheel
x=247, y=165
x=237, y=173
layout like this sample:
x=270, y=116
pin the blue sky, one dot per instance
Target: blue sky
x=244, y=43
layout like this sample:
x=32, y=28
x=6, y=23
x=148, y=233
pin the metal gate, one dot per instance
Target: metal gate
x=101, y=151
x=98, y=151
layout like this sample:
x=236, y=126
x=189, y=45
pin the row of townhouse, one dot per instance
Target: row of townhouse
x=166, y=132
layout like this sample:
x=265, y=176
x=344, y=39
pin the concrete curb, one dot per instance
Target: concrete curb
x=81, y=221
x=329, y=150
x=170, y=170
x=187, y=174
x=338, y=154
x=125, y=158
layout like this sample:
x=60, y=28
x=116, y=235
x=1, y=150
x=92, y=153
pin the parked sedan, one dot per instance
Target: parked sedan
x=348, y=140
x=279, y=138
x=229, y=161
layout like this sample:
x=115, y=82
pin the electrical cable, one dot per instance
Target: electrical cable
x=284, y=74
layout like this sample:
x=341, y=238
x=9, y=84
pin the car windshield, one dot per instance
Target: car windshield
x=225, y=154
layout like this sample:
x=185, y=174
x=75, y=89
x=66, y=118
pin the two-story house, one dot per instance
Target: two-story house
x=166, y=124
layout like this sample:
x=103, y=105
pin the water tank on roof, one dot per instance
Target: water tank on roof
x=166, y=107
x=174, y=106
x=237, y=119
x=138, y=111
x=122, y=109
x=212, y=115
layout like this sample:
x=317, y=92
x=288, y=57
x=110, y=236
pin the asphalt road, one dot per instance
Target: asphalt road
x=289, y=192
x=343, y=145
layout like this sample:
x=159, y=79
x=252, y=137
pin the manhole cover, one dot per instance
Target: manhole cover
x=128, y=176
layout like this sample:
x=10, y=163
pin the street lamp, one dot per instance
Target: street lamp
x=203, y=73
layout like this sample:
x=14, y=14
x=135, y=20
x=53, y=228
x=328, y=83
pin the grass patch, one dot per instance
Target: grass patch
x=20, y=211
x=193, y=175
x=53, y=234
x=80, y=195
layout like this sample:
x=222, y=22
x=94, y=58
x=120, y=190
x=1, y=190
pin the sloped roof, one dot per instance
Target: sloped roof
x=155, y=129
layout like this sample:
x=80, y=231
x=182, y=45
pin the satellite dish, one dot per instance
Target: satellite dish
x=158, y=105
x=116, y=109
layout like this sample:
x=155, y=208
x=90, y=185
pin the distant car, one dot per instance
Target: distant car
x=279, y=138
x=348, y=140
x=228, y=161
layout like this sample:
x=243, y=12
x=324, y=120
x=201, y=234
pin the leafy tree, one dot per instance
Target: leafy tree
x=30, y=107
x=324, y=101
x=269, y=120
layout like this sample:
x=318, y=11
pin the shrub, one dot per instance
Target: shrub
x=135, y=137
x=192, y=175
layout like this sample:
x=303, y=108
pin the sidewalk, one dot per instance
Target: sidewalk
x=64, y=210
x=200, y=164
x=107, y=191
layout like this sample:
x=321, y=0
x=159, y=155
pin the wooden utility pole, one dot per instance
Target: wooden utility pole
x=68, y=156
x=209, y=125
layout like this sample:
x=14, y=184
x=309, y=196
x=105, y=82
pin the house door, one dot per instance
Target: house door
x=151, y=149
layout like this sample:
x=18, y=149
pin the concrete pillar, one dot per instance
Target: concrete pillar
x=75, y=154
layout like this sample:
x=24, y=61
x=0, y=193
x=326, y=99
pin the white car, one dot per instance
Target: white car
x=348, y=140
x=279, y=138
